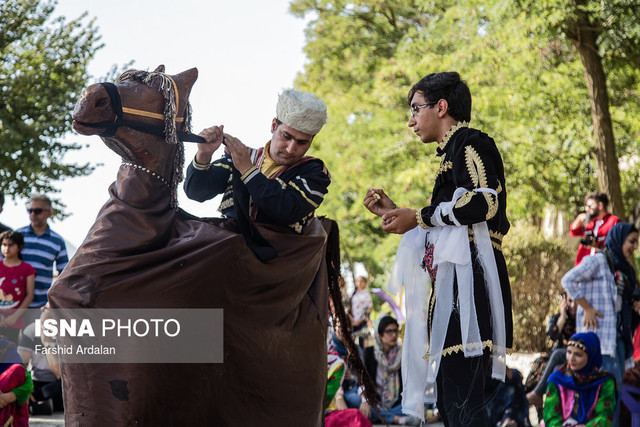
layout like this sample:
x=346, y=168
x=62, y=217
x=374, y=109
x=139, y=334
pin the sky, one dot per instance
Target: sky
x=246, y=52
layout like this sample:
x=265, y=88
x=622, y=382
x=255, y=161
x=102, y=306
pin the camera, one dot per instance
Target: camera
x=588, y=238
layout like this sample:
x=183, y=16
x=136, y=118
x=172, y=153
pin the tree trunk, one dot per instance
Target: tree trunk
x=584, y=35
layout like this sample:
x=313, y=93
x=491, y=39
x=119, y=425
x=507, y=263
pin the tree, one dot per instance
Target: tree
x=606, y=34
x=42, y=72
x=529, y=94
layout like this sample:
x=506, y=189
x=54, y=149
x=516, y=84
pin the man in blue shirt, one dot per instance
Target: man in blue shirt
x=42, y=248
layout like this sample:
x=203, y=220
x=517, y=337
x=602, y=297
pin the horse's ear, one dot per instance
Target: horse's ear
x=185, y=81
x=160, y=69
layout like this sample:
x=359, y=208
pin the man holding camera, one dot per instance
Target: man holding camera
x=592, y=225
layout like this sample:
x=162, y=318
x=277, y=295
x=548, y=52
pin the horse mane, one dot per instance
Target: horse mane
x=165, y=85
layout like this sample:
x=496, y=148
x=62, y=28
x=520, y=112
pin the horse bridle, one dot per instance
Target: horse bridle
x=119, y=121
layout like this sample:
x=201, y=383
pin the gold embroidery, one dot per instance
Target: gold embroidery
x=464, y=199
x=475, y=167
x=222, y=165
x=497, y=246
x=450, y=133
x=420, y=221
x=479, y=177
x=493, y=205
x=432, y=304
x=458, y=348
x=499, y=189
x=225, y=204
x=298, y=226
x=282, y=183
x=496, y=235
x=444, y=166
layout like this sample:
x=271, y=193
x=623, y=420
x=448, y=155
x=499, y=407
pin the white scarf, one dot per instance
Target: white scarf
x=452, y=255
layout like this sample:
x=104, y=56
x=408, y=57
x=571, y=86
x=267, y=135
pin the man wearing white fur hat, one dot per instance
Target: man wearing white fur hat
x=284, y=185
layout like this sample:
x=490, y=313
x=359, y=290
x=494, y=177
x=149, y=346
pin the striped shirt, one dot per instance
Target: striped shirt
x=41, y=252
x=593, y=280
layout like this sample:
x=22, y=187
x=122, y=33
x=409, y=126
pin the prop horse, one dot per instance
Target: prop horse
x=145, y=252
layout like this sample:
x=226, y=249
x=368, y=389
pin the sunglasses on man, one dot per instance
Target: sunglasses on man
x=36, y=211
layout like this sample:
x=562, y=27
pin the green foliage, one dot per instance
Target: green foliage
x=42, y=72
x=529, y=94
x=535, y=266
x=616, y=22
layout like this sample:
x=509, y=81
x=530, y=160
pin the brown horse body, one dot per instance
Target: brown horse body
x=142, y=252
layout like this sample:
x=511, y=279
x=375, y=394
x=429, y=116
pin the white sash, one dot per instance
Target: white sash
x=452, y=256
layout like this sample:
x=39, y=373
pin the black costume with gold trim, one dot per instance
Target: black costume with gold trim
x=288, y=196
x=470, y=159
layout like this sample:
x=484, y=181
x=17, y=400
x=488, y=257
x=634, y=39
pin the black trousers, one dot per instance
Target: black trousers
x=465, y=386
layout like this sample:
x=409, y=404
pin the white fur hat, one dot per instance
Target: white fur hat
x=302, y=111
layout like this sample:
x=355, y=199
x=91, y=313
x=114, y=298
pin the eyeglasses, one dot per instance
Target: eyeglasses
x=390, y=331
x=414, y=110
x=36, y=211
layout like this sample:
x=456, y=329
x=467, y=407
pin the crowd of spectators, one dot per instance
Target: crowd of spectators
x=596, y=346
x=29, y=380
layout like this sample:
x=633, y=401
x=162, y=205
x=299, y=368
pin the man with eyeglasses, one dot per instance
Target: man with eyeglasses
x=42, y=249
x=284, y=186
x=592, y=225
x=458, y=236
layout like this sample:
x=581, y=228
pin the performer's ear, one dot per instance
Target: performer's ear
x=443, y=107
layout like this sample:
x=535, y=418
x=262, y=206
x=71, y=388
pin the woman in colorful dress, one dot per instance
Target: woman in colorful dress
x=579, y=393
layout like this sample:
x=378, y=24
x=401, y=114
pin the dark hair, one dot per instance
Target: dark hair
x=598, y=197
x=384, y=322
x=446, y=85
x=15, y=237
x=1, y=199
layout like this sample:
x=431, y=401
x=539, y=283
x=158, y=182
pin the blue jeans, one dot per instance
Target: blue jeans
x=352, y=398
x=387, y=414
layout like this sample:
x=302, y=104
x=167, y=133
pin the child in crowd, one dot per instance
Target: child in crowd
x=579, y=392
x=361, y=305
x=17, y=283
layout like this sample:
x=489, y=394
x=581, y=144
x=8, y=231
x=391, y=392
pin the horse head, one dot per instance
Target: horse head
x=141, y=117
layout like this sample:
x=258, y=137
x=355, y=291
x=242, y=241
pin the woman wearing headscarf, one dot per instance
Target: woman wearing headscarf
x=579, y=392
x=602, y=285
x=382, y=361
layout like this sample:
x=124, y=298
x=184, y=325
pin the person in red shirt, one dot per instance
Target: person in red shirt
x=592, y=225
x=17, y=282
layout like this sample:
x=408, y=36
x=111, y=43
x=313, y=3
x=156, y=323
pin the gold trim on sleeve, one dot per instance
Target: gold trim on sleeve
x=464, y=199
x=478, y=175
x=201, y=166
x=419, y=219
